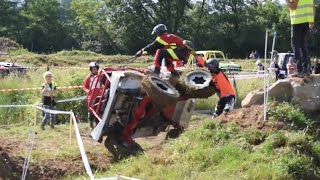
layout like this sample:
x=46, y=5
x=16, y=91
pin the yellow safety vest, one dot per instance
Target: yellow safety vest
x=50, y=91
x=304, y=12
x=170, y=47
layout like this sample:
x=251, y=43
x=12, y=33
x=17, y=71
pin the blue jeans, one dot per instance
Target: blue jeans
x=47, y=116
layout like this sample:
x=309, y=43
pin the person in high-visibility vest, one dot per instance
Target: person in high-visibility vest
x=169, y=47
x=224, y=89
x=302, y=13
x=49, y=93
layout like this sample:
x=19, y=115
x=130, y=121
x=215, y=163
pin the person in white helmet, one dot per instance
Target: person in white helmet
x=92, y=86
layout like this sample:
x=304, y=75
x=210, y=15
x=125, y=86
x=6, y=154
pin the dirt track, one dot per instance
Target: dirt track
x=11, y=166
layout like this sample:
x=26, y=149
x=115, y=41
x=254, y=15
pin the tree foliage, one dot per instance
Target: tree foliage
x=124, y=26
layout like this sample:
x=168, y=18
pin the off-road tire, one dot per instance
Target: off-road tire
x=161, y=93
x=119, y=151
x=174, y=133
x=188, y=89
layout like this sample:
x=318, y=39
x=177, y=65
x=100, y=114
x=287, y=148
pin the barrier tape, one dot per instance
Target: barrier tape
x=54, y=67
x=38, y=88
x=30, y=144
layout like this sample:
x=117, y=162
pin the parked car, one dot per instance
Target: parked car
x=11, y=68
x=224, y=65
x=283, y=59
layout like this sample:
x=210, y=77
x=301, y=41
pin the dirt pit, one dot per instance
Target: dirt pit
x=12, y=167
x=251, y=117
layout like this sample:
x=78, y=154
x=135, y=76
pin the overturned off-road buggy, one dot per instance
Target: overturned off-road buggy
x=131, y=103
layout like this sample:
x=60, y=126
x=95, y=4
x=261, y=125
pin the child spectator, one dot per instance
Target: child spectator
x=49, y=92
x=291, y=67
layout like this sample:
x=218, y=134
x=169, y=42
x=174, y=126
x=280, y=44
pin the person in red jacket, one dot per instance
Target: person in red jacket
x=167, y=46
x=223, y=88
x=92, y=86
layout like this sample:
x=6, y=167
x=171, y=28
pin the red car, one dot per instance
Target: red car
x=129, y=95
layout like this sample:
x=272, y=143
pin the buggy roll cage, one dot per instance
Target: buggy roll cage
x=92, y=104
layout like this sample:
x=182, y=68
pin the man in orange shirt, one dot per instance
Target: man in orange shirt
x=223, y=88
x=92, y=86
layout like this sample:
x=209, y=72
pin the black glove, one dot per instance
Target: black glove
x=139, y=53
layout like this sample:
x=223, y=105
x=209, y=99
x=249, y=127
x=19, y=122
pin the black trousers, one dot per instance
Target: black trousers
x=299, y=43
x=225, y=104
x=164, y=54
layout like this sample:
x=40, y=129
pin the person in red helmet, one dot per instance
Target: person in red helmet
x=167, y=46
x=223, y=87
x=92, y=86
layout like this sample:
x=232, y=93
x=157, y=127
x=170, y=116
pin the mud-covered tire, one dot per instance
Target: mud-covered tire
x=161, y=92
x=119, y=151
x=174, y=133
x=196, y=84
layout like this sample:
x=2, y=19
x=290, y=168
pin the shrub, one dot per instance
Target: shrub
x=299, y=166
x=299, y=141
x=275, y=140
x=290, y=114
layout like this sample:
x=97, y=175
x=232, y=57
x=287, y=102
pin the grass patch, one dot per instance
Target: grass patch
x=215, y=151
x=291, y=114
x=74, y=58
x=51, y=143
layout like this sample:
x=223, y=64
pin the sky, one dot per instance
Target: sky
x=282, y=1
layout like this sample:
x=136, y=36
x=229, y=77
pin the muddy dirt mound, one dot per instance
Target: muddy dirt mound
x=251, y=117
x=12, y=167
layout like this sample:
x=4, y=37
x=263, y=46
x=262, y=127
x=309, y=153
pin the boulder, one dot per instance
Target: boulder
x=303, y=91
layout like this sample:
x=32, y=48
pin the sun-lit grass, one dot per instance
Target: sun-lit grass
x=208, y=151
x=214, y=151
x=74, y=58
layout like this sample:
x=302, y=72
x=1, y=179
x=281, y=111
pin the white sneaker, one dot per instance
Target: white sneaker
x=214, y=115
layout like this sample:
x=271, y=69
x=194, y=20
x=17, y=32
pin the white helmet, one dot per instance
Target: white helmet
x=93, y=64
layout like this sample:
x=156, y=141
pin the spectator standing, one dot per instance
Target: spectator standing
x=316, y=66
x=302, y=15
x=291, y=67
x=260, y=66
x=49, y=92
x=274, y=67
x=256, y=55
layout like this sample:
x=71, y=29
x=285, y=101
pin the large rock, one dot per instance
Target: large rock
x=303, y=91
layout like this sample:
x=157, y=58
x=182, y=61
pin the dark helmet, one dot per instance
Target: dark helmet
x=189, y=44
x=213, y=62
x=93, y=64
x=159, y=29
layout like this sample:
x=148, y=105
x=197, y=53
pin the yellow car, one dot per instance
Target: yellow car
x=217, y=55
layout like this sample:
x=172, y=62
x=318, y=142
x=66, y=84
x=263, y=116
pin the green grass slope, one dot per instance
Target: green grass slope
x=225, y=151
